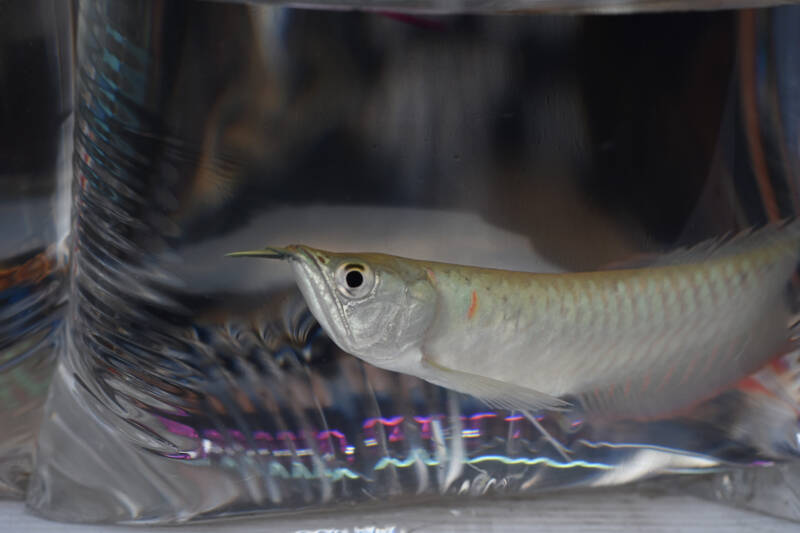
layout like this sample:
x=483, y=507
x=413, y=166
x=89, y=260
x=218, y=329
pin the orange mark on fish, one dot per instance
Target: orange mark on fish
x=646, y=382
x=715, y=352
x=751, y=384
x=779, y=365
x=667, y=377
x=690, y=367
x=431, y=275
x=473, y=306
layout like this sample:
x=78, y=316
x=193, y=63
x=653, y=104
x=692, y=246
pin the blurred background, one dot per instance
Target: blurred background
x=193, y=386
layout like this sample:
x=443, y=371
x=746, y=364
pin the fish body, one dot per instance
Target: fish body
x=640, y=342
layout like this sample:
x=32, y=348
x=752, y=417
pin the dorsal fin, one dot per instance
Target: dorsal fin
x=783, y=233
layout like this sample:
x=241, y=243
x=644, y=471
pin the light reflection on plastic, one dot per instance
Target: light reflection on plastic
x=325, y=436
x=284, y=443
x=420, y=455
x=211, y=443
x=395, y=420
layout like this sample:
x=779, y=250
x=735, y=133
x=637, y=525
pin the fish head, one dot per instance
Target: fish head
x=373, y=306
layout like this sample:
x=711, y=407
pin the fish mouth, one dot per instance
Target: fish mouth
x=269, y=252
x=307, y=259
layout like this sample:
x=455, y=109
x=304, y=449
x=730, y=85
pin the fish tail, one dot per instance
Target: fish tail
x=769, y=407
x=779, y=379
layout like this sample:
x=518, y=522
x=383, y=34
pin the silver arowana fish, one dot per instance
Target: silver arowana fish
x=638, y=342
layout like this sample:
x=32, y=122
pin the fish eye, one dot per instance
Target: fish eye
x=354, y=280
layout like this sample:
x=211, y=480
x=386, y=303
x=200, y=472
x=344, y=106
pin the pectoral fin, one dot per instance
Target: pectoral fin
x=497, y=394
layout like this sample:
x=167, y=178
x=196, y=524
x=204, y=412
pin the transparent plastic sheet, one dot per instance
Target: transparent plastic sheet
x=35, y=154
x=193, y=387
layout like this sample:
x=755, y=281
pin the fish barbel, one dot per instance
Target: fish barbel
x=638, y=342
